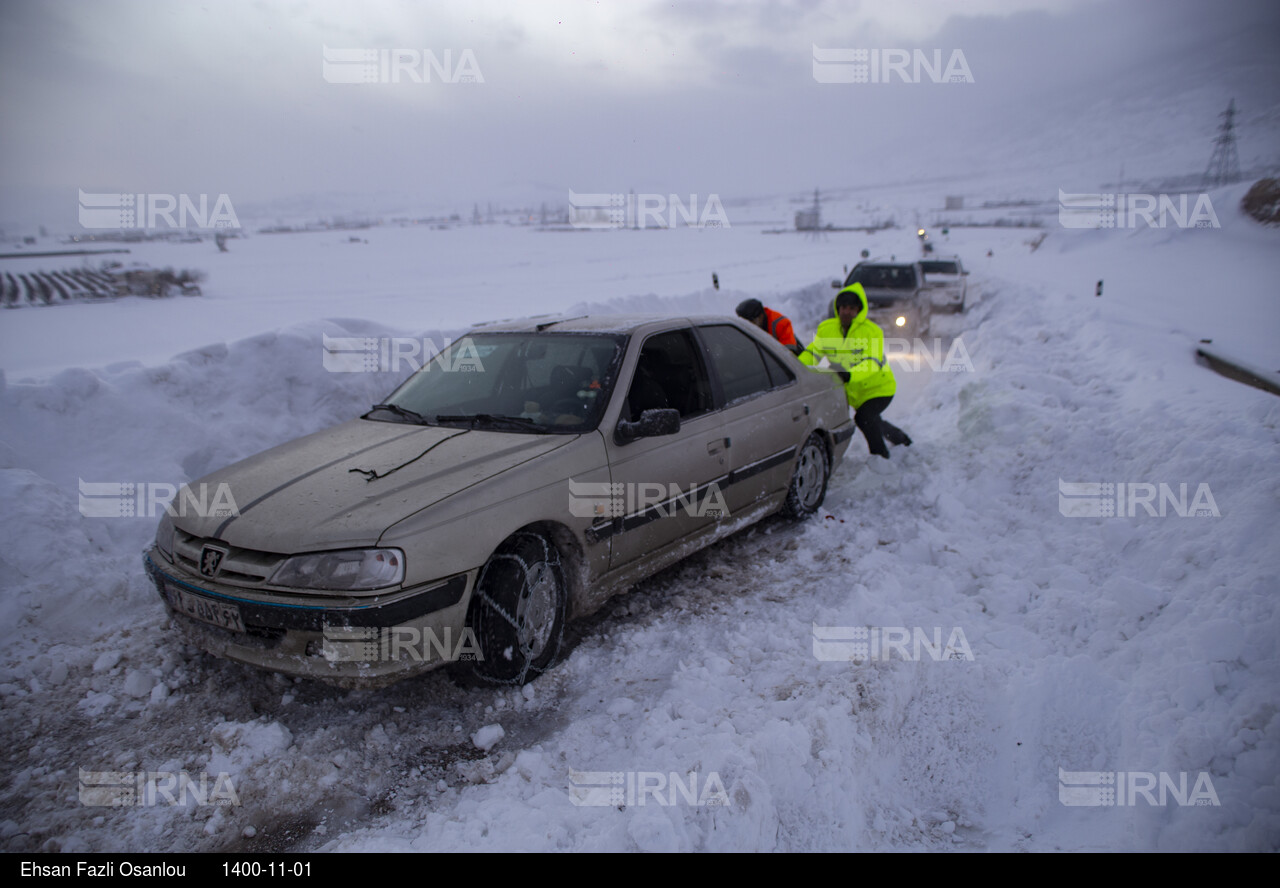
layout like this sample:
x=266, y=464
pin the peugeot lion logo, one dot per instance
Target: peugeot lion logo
x=211, y=561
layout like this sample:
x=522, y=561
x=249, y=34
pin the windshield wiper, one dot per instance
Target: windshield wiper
x=518, y=423
x=403, y=412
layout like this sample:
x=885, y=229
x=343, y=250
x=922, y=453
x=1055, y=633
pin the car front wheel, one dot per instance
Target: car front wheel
x=809, y=480
x=518, y=610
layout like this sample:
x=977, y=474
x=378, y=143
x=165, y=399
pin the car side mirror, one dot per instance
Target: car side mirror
x=652, y=424
x=966, y=271
x=835, y=285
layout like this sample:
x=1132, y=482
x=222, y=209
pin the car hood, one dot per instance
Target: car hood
x=346, y=485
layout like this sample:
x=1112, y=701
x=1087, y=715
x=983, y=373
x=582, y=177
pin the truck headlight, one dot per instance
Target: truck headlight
x=341, y=571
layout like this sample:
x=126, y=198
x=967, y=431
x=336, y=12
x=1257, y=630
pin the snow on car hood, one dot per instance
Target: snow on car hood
x=315, y=493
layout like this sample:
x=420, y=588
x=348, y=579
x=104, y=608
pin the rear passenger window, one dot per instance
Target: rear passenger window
x=739, y=361
x=778, y=372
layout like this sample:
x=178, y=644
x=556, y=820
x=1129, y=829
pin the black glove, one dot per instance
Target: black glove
x=844, y=376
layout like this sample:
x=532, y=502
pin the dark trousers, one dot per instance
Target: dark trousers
x=875, y=428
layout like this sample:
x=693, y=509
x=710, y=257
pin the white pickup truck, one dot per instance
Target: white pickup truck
x=946, y=280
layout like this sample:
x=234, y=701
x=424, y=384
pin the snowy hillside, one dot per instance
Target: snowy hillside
x=1140, y=644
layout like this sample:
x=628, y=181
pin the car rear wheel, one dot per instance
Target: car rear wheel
x=518, y=610
x=809, y=480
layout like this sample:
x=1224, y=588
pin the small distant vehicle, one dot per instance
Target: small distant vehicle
x=926, y=246
x=946, y=280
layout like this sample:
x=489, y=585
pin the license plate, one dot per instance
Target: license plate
x=224, y=616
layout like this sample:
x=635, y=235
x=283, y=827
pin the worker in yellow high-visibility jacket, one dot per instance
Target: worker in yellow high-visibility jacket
x=854, y=347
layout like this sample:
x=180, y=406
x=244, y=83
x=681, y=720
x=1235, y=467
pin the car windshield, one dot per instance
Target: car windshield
x=883, y=277
x=938, y=267
x=524, y=382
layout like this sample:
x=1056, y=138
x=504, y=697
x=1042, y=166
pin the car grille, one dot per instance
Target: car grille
x=239, y=567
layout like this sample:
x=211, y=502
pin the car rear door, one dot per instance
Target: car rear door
x=763, y=418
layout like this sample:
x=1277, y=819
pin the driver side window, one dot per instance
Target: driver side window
x=669, y=374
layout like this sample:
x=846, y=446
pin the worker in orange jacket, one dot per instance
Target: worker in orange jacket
x=772, y=322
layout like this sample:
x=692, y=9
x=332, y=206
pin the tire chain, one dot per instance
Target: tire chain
x=551, y=558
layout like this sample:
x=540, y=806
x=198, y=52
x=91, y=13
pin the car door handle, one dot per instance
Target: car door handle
x=798, y=412
x=717, y=445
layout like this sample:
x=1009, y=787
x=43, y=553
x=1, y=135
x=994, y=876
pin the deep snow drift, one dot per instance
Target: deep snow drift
x=1142, y=644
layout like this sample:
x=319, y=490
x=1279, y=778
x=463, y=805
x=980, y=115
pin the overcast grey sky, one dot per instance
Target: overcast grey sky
x=229, y=97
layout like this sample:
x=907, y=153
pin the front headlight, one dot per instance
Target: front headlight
x=342, y=571
x=901, y=321
x=164, y=536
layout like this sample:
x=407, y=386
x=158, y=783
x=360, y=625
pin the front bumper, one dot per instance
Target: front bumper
x=915, y=321
x=352, y=642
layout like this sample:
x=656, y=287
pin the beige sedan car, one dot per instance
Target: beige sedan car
x=532, y=471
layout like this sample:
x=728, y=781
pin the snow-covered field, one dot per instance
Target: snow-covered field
x=1139, y=644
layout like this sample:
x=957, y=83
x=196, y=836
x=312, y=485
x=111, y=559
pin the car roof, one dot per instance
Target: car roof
x=892, y=263
x=621, y=323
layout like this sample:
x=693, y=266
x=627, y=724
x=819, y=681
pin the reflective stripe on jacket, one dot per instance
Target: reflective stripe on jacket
x=779, y=327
